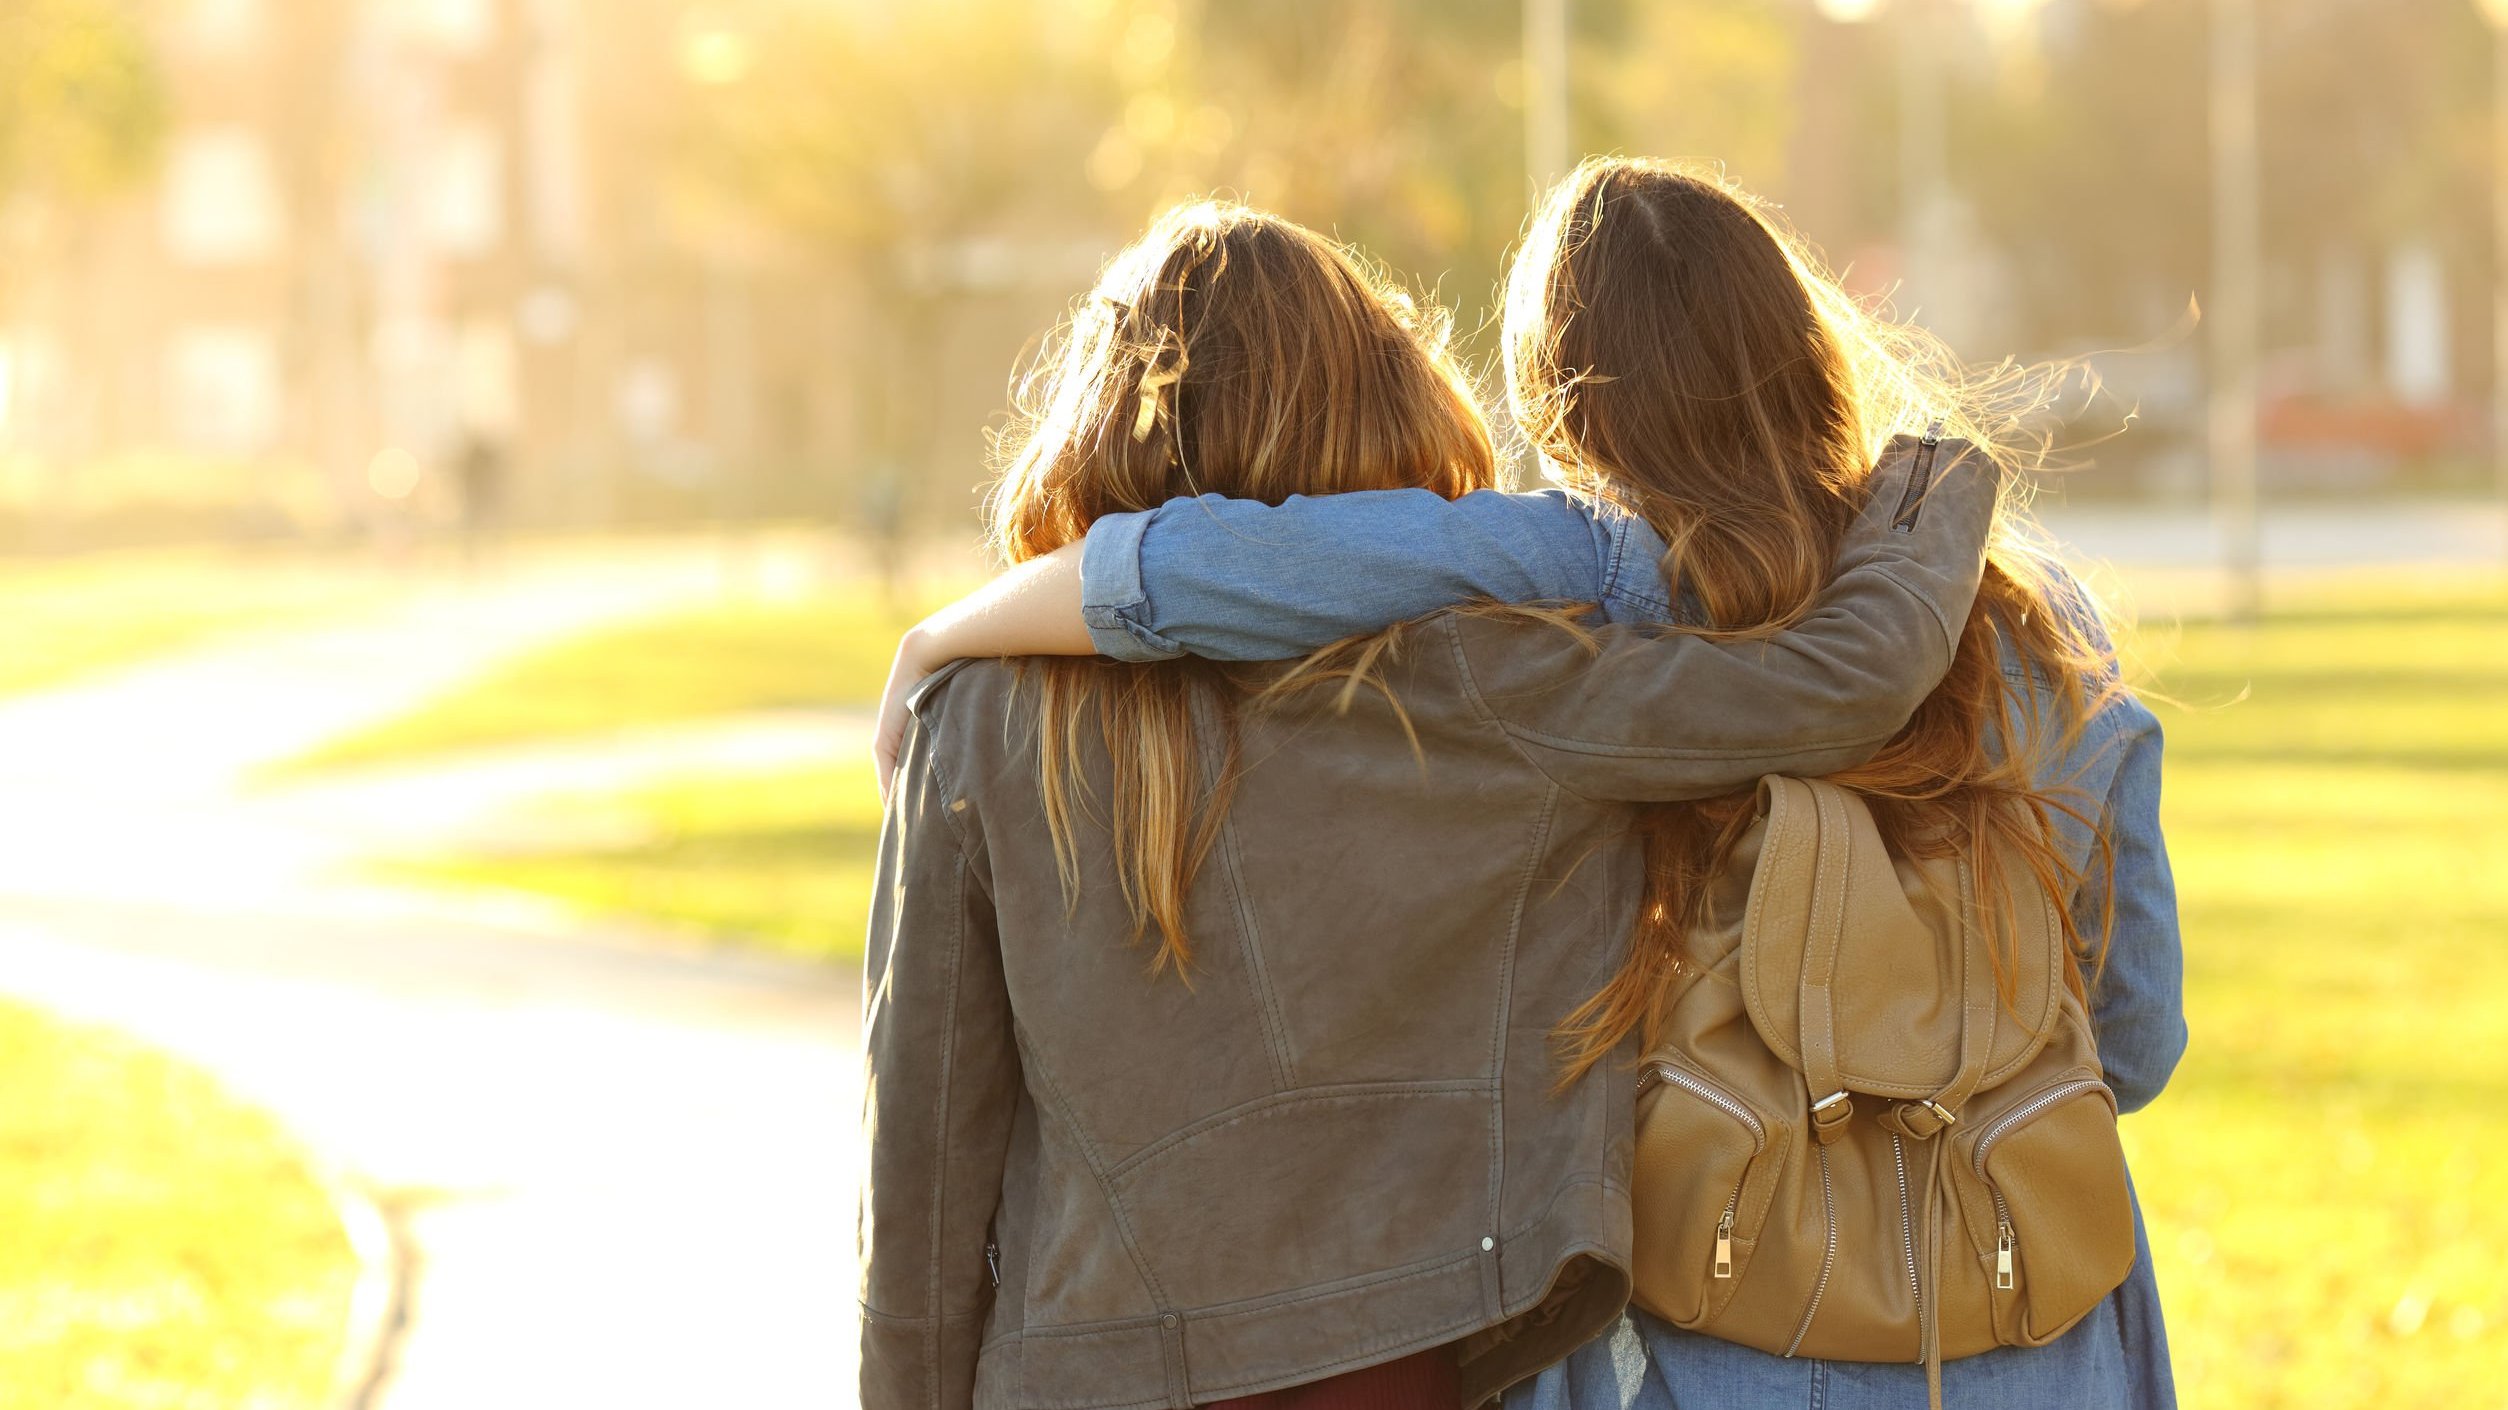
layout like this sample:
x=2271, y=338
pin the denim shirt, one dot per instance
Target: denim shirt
x=1241, y=580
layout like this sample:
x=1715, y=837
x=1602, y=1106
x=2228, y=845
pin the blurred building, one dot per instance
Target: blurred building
x=387, y=232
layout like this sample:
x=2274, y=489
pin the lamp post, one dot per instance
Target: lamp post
x=2232, y=313
x=1545, y=92
x=2496, y=12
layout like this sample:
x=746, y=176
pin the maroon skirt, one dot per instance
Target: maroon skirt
x=1425, y=1381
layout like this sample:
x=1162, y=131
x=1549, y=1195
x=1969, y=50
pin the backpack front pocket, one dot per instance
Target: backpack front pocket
x=1705, y=1166
x=2061, y=1233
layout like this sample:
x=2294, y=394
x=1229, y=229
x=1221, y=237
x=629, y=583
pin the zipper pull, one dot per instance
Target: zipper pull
x=992, y=1261
x=1724, y=1245
x=2003, y=1242
x=1933, y=433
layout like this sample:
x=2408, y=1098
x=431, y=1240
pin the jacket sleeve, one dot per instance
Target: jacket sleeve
x=1241, y=580
x=2137, y=1000
x=1650, y=717
x=941, y=1079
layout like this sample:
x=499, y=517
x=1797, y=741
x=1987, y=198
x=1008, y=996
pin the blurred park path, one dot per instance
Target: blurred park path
x=623, y=1169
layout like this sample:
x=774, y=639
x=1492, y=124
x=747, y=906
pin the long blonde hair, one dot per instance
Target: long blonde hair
x=1231, y=352
x=1672, y=348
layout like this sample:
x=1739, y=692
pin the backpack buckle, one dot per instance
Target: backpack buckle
x=1920, y=1121
x=1829, y=1116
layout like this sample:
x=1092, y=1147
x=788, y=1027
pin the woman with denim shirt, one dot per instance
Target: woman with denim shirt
x=1239, y=580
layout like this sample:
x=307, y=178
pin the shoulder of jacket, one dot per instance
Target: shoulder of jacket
x=948, y=701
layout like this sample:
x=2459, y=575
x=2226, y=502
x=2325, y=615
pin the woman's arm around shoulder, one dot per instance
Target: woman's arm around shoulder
x=1639, y=716
x=1243, y=580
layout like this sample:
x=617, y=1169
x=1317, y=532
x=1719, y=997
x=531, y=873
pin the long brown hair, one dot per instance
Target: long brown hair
x=1231, y=352
x=1672, y=348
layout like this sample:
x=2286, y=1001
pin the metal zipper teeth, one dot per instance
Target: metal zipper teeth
x=2004, y=1123
x=1828, y=1259
x=1700, y=1088
x=1911, y=500
x=1907, y=1222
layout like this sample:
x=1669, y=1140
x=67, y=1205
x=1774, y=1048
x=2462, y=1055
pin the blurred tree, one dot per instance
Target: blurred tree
x=937, y=146
x=2094, y=144
x=2085, y=155
x=934, y=151
x=82, y=105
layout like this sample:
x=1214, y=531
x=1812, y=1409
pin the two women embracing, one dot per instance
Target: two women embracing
x=1349, y=936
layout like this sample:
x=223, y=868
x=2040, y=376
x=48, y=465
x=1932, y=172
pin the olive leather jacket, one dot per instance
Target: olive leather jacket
x=1335, y=1139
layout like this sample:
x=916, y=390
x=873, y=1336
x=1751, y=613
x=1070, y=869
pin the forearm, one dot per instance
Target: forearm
x=1031, y=610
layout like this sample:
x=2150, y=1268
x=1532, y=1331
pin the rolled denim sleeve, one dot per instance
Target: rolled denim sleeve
x=1112, y=600
x=1240, y=580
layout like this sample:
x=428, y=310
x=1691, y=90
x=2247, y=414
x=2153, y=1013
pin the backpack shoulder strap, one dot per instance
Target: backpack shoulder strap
x=1830, y=863
x=1927, y=1118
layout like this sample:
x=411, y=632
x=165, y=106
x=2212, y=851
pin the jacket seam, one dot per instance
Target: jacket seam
x=1258, y=972
x=1950, y=634
x=1480, y=702
x=1243, y=1307
x=1560, y=1196
x=940, y=777
x=1538, y=844
x=1064, y=1112
x=1598, y=749
x=895, y=1319
x=934, y=1290
x=1273, y=1101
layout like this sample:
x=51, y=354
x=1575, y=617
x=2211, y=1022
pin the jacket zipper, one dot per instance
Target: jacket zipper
x=1828, y=1258
x=1714, y=1096
x=992, y=1261
x=2006, y=1239
x=1911, y=501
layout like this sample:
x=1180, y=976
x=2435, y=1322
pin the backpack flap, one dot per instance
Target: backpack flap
x=1862, y=970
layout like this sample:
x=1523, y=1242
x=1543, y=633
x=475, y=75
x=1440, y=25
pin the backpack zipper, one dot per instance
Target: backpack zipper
x=1708, y=1092
x=1911, y=501
x=2007, y=1239
x=1828, y=1258
x=2045, y=1098
x=1907, y=1222
x=1701, y=1088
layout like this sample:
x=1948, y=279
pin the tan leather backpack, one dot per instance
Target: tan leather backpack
x=1848, y=1145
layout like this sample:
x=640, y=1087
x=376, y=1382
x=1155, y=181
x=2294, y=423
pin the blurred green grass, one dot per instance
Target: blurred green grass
x=2327, y=1178
x=165, y=1247
x=72, y=616
x=823, y=650
x=688, y=666
x=781, y=861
